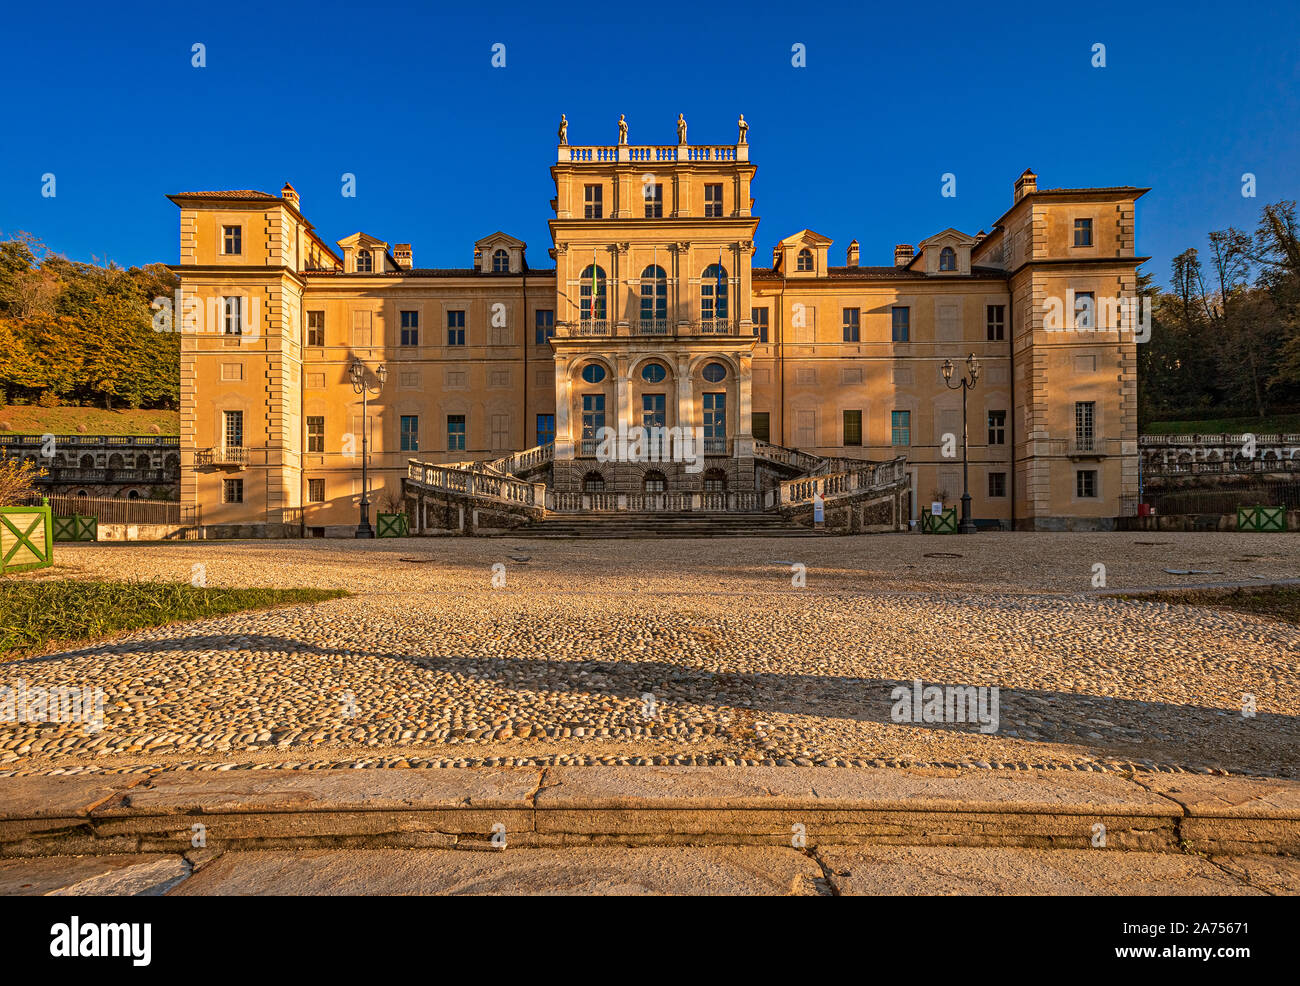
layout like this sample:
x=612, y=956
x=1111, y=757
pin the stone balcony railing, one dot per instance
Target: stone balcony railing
x=222, y=455
x=649, y=154
x=646, y=327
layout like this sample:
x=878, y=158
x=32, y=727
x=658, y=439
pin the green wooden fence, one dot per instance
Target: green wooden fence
x=391, y=525
x=26, y=538
x=944, y=523
x=78, y=527
x=1261, y=519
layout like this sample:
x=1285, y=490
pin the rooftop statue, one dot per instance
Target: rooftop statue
x=681, y=128
x=622, y=129
x=564, y=130
x=744, y=131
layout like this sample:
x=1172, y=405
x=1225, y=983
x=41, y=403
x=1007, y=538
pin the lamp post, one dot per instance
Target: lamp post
x=361, y=385
x=966, y=382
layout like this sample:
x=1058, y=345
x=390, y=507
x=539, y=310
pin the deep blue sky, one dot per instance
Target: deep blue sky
x=447, y=149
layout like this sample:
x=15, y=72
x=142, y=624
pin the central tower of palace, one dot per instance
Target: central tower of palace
x=653, y=249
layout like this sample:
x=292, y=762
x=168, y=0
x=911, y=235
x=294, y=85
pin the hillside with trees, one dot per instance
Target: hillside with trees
x=1225, y=338
x=82, y=334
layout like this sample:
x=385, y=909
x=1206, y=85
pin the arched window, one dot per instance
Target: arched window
x=87, y=462
x=364, y=265
x=592, y=288
x=593, y=482
x=593, y=373
x=115, y=461
x=947, y=259
x=654, y=482
x=713, y=298
x=653, y=373
x=133, y=495
x=715, y=372
x=654, y=298
x=715, y=481
x=804, y=260
x=500, y=262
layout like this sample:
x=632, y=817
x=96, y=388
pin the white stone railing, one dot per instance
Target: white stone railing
x=880, y=476
x=530, y=458
x=743, y=501
x=793, y=458
x=1169, y=440
x=652, y=154
x=473, y=483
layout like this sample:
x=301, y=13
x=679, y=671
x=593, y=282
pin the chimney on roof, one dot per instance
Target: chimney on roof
x=980, y=235
x=402, y=255
x=1026, y=183
x=903, y=254
x=290, y=195
x=776, y=256
x=853, y=254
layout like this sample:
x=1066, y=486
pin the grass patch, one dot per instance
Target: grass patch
x=35, y=614
x=1270, y=425
x=1276, y=602
x=30, y=419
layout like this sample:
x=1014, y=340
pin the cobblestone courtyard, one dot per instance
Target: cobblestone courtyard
x=685, y=652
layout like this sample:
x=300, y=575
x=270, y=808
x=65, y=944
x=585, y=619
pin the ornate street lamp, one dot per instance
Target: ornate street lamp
x=966, y=382
x=361, y=385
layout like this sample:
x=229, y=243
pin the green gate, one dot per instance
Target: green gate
x=944, y=523
x=392, y=525
x=26, y=538
x=1262, y=519
x=76, y=528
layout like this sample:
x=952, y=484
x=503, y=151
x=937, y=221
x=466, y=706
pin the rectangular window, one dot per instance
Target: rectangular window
x=455, y=328
x=544, y=321
x=232, y=240
x=997, y=485
x=995, y=317
x=712, y=201
x=361, y=322
x=852, y=324
x=715, y=416
x=900, y=427
x=653, y=413
x=545, y=429
x=1085, y=419
x=1083, y=232
x=410, y=433
x=233, y=316
x=759, y=316
x=500, y=432
x=760, y=424
x=592, y=201
x=1085, y=310
x=455, y=433
x=997, y=427
x=315, y=328
x=852, y=427
x=593, y=415
x=232, y=429
x=410, y=328
x=315, y=491
x=654, y=200
x=232, y=491
x=1085, y=483
x=902, y=323
x=315, y=434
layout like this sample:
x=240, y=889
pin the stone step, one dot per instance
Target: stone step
x=660, y=525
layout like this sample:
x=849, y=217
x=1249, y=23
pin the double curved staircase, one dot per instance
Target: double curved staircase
x=511, y=483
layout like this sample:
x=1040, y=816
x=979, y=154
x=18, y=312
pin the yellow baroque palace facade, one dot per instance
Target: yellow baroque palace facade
x=654, y=314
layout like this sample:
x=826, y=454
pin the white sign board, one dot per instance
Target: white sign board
x=936, y=508
x=819, y=508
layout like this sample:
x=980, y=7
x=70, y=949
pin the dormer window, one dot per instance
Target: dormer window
x=804, y=260
x=500, y=262
x=364, y=262
x=947, y=259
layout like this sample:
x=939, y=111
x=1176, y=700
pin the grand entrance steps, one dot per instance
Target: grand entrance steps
x=666, y=525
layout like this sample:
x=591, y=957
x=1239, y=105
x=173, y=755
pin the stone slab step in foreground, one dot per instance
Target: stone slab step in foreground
x=644, y=806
